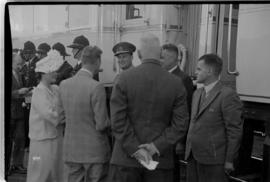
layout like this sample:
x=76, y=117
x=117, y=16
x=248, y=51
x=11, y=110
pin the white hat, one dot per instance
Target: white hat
x=49, y=63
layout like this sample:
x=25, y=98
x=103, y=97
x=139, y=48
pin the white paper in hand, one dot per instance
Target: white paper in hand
x=151, y=166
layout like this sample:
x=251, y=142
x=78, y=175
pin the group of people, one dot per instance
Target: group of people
x=155, y=115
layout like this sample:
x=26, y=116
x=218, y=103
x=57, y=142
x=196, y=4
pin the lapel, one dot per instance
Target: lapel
x=210, y=98
x=196, y=102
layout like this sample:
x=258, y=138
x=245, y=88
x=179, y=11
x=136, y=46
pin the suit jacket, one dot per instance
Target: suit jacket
x=216, y=128
x=16, y=98
x=64, y=72
x=29, y=74
x=187, y=83
x=147, y=105
x=78, y=67
x=84, y=103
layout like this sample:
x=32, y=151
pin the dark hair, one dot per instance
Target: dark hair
x=39, y=76
x=171, y=47
x=213, y=61
x=90, y=54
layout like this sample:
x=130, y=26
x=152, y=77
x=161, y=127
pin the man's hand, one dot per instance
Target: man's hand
x=142, y=154
x=228, y=167
x=150, y=147
x=23, y=91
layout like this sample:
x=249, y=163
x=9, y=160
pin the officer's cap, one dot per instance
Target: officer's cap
x=123, y=47
x=29, y=47
x=43, y=48
x=79, y=42
x=60, y=48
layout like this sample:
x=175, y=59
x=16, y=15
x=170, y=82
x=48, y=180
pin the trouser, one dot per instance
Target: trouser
x=197, y=172
x=132, y=174
x=266, y=163
x=26, y=125
x=45, y=163
x=16, y=142
x=86, y=172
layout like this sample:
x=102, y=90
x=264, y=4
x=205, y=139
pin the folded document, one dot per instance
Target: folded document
x=151, y=166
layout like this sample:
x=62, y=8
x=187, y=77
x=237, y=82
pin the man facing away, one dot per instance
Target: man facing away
x=215, y=128
x=148, y=114
x=86, y=145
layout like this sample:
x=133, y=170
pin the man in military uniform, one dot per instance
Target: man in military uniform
x=65, y=69
x=28, y=70
x=29, y=79
x=124, y=53
x=42, y=50
x=77, y=46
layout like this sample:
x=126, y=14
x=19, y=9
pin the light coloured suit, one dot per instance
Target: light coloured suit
x=84, y=102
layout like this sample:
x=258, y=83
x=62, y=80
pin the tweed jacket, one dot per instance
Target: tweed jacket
x=78, y=67
x=147, y=105
x=216, y=127
x=16, y=98
x=84, y=103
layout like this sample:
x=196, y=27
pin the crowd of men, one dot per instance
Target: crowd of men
x=156, y=116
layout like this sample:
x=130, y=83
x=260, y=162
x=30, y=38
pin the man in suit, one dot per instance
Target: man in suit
x=42, y=50
x=15, y=147
x=65, y=69
x=86, y=144
x=148, y=114
x=77, y=46
x=216, y=126
x=171, y=64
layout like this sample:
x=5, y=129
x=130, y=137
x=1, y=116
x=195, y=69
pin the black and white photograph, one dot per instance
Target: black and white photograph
x=135, y=91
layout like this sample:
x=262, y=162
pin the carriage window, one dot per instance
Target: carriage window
x=134, y=11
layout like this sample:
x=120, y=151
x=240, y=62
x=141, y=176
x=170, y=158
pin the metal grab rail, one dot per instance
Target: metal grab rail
x=235, y=72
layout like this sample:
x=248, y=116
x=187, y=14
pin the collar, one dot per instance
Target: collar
x=79, y=62
x=155, y=61
x=209, y=87
x=89, y=72
x=173, y=68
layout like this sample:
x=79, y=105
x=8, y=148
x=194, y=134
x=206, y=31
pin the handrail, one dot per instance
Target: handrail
x=235, y=72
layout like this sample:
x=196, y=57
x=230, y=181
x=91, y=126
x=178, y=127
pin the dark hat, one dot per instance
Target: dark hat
x=61, y=48
x=123, y=47
x=43, y=48
x=29, y=47
x=79, y=42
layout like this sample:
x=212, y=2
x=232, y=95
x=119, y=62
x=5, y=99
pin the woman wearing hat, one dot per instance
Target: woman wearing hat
x=45, y=124
x=65, y=69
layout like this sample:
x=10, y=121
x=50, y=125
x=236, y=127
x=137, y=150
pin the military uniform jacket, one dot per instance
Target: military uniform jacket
x=64, y=72
x=147, y=105
x=29, y=74
x=216, y=127
x=84, y=103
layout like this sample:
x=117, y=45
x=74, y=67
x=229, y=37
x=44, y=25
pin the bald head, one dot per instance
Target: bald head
x=17, y=61
x=149, y=47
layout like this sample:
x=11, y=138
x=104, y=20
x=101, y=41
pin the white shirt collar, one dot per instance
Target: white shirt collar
x=83, y=69
x=172, y=69
x=210, y=86
x=79, y=62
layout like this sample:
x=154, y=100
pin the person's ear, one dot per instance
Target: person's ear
x=139, y=54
